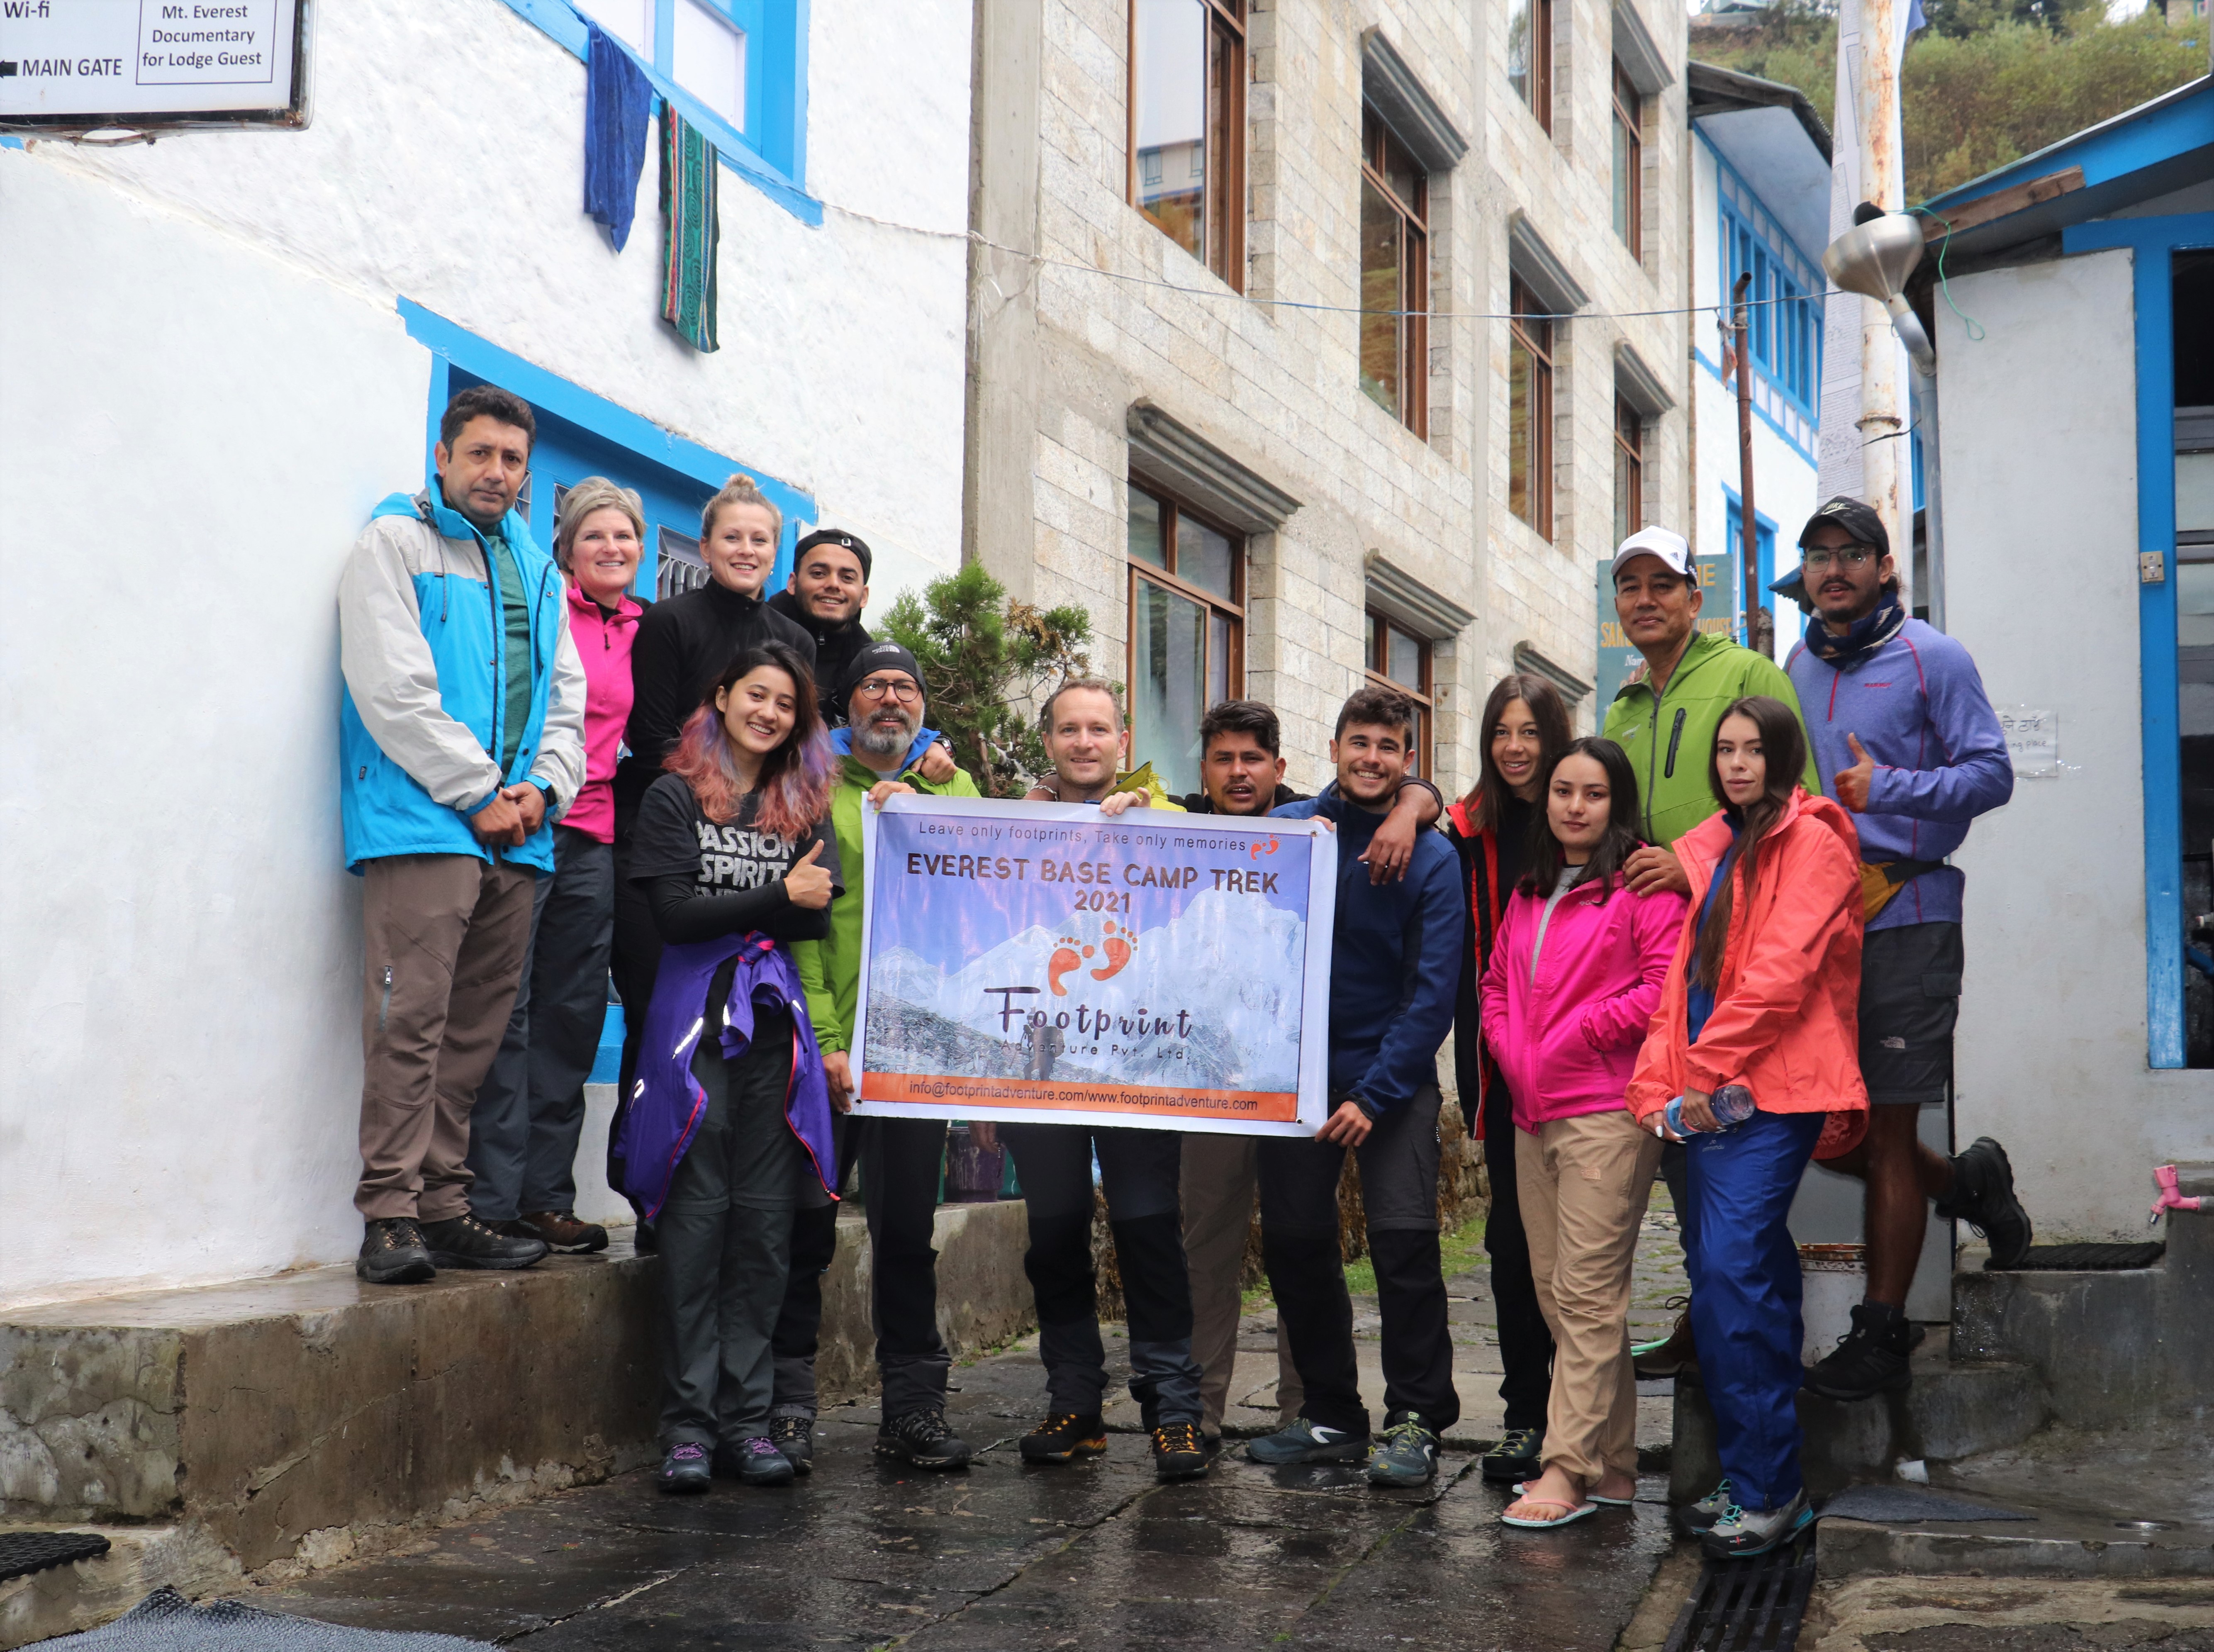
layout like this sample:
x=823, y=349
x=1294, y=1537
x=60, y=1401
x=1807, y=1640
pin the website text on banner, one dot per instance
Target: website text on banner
x=1029, y=959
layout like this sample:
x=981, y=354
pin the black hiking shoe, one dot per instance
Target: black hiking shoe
x=1870, y=1359
x=392, y=1253
x=684, y=1470
x=756, y=1461
x=1064, y=1436
x=1179, y=1452
x=1674, y=1353
x=464, y=1242
x=795, y=1437
x=923, y=1440
x=1983, y=1196
x=1514, y=1458
x=1303, y=1441
x=1406, y=1455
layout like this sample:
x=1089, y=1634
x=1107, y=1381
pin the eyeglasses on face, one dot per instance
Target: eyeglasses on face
x=1853, y=556
x=903, y=690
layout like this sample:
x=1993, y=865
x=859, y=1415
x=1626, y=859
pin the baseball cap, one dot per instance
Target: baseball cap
x=1670, y=548
x=840, y=537
x=1843, y=512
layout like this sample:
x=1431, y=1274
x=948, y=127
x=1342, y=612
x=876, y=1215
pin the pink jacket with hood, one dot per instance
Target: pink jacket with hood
x=1567, y=1040
x=604, y=643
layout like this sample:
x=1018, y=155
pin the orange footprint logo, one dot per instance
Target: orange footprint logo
x=1067, y=956
x=1259, y=849
x=1118, y=948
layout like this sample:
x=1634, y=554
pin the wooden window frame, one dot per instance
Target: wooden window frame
x=1537, y=338
x=1173, y=510
x=1629, y=118
x=1539, y=95
x=1377, y=141
x=1630, y=461
x=1224, y=191
x=1380, y=627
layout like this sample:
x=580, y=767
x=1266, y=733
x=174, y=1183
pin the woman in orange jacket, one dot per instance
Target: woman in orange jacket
x=1762, y=997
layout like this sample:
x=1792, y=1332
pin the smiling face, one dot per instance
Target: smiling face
x=483, y=472
x=604, y=556
x=1372, y=761
x=1740, y=762
x=884, y=724
x=1516, y=747
x=759, y=710
x=1239, y=775
x=1087, y=741
x=740, y=548
x=1841, y=590
x=1578, y=805
x=828, y=583
x=1657, y=605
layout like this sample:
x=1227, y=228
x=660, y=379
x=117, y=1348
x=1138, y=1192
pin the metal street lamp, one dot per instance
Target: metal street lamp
x=1874, y=258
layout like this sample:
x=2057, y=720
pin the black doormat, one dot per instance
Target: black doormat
x=1748, y=1606
x=2083, y=1258
x=166, y=1622
x=22, y=1553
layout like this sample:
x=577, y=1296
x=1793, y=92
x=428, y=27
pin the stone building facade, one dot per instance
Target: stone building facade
x=1191, y=407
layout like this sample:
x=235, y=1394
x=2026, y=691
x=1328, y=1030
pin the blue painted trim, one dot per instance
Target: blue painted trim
x=1715, y=370
x=1808, y=278
x=2158, y=130
x=10, y=143
x=2155, y=242
x=561, y=24
x=455, y=344
x=1763, y=526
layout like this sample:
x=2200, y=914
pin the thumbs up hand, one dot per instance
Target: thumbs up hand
x=1853, y=783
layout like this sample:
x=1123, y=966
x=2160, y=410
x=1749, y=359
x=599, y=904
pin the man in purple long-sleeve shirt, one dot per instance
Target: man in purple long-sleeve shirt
x=1905, y=737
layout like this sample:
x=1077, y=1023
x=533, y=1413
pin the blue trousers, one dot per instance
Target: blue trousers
x=1745, y=1296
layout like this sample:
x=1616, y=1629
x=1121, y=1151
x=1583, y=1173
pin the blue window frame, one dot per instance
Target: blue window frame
x=1764, y=531
x=1785, y=318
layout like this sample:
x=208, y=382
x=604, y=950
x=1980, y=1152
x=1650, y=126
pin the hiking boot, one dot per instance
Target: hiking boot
x=756, y=1461
x=1870, y=1359
x=1406, y=1455
x=392, y=1253
x=1179, y=1452
x=924, y=1440
x=1741, y=1533
x=463, y=1241
x=684, y=1471
x=795, y=1437
x=1304, y=1441
x=561, y=1231
x=1674, y=1353
x=1514, y=1458
x=1700, y=1517
x=1064, y=1436
x=1984, y=1197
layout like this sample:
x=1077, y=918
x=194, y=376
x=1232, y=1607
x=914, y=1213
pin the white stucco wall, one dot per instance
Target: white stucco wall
x=2051, y=1055
x=208, y=385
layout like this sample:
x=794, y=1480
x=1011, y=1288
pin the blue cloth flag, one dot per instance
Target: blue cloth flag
x=618, y=103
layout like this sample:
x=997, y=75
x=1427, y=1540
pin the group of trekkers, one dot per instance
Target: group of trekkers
x=1713, y=944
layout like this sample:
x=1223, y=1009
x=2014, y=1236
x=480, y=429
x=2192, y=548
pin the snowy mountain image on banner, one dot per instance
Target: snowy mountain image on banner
x=1212, y=999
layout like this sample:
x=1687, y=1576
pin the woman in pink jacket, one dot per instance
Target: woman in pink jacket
x=1568, y=996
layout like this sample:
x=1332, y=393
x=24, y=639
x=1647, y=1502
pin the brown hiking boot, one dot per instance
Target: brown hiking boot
x=1674, y=1355
x=562, y=1231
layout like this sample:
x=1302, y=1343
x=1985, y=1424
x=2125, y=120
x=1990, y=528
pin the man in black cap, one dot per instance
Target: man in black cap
x=827, y=589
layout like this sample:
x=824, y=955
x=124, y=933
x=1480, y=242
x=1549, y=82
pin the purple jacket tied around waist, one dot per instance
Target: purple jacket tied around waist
x=667, y=1102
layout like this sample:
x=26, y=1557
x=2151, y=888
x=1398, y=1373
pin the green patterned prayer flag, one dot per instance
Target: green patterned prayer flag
x=689, y=169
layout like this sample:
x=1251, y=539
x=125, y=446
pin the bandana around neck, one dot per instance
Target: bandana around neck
x=1865, y=636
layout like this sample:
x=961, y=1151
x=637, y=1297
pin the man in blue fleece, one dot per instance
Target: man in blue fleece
x=1395, y=963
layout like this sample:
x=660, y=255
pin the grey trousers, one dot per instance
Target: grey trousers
x=529, y=1110
x=723, y=1264
x=1218, y=1185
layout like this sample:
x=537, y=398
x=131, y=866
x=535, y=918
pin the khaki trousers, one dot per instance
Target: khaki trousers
x=444, y=939
x=1218, y=1181
x=1584, y=1183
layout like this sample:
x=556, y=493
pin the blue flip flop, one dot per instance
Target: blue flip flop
x=1574, y=1515
x=1589, y=1496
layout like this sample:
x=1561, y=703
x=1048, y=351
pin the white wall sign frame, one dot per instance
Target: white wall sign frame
x=70, y=67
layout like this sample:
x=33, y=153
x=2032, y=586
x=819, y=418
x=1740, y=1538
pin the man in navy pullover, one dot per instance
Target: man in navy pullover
x=1905, y=739
x=1395, y=963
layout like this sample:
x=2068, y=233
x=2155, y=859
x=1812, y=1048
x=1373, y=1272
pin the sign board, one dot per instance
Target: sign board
x=1041, y=962
x=1718, y=606
x=2032, y=738
x=81, y=66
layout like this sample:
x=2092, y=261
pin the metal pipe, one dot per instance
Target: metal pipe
x=1923, y=386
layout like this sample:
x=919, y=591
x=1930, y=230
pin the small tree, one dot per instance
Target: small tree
x=980, y=652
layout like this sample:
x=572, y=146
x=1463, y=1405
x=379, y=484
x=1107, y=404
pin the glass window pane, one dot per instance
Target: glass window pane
x=1517, y=48
x=2194, y=604
x=1623, y=530
x=1169, y=82
x=1379, y=291
x=1203, y=558
x=1375, y=641
x=1522, y=432
x=708, y=59
x=679, y=567
x=1168, y=645
x=630, y=21
x=1402, y=661
x=1418, y=760
x=1401, y=174
x=1218, y=658
x=1145, y=539
x=2194, y=491
x=1624, y=176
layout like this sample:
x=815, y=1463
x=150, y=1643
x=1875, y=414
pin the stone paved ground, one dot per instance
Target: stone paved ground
x=1091, y=1555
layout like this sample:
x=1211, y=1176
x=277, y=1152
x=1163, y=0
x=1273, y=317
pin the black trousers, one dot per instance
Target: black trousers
x=633, y=961
x=1306, y=1272
x=1526, y=1347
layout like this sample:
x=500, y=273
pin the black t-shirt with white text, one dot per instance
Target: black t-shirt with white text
x=673, y=835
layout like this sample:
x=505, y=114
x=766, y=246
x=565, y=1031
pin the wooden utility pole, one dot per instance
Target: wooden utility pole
x=1759, y=624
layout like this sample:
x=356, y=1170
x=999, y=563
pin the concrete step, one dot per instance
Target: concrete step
x=2056, y=1544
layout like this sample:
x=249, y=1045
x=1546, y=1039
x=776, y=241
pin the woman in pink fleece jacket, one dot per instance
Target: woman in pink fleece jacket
x=1575, y=975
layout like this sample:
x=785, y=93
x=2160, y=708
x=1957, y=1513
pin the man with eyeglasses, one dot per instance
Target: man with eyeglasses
x=1905, y=739
x=881, y=753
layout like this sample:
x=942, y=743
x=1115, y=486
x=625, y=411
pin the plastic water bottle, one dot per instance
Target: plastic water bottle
x=1732, y=1105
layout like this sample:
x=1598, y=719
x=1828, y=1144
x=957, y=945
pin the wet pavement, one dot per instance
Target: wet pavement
x=1092, y=1555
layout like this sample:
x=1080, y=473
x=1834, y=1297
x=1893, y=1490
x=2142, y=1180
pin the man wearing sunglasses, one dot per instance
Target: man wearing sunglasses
x=1905, y=739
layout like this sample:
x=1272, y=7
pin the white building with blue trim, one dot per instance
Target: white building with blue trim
x=2077, y=372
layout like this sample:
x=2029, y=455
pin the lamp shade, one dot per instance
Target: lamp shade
x=1876, y=258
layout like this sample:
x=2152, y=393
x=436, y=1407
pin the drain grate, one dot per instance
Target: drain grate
x=22, y=1553
x=2085, y=1258
x=1748, y=1606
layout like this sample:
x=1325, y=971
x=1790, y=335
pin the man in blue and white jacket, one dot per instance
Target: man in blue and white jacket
x=1905, y=739
x=1395, y=969
x=461, y=738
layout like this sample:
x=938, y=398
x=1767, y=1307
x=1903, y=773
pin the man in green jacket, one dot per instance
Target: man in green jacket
x=881, y=750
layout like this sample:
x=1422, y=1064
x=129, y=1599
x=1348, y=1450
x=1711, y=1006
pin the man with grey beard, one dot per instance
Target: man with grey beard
x=881, y=750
